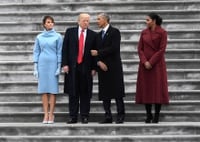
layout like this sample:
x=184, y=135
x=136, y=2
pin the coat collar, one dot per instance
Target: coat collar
x=148, y=34
x=107, y=32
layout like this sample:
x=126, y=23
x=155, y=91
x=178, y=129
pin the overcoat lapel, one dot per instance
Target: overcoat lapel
x=149, y=38
x=107, y=33
x=86, y=42
x=76, y=36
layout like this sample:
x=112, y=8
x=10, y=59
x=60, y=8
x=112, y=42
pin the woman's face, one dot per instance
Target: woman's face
x=149, y=22
x=48, y=24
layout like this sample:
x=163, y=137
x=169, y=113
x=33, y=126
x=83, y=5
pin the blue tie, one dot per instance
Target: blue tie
x=102, y=34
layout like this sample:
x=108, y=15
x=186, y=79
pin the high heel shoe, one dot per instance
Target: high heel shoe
x=45, y=121
x=51, y=121
x=156, y=118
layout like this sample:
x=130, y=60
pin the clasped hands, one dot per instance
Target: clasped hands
x=101, y=64
x=147, y=65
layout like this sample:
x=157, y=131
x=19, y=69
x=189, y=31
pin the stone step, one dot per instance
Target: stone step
x=127, y=64
x=99, y=6
x=130, y=85
x=118, y=15
x=168, y=24
x=96, y=106
x=125, y=44
x=172, y=34
x=178, y=74
x=171, y=64
x=170, y=53
x=84, y=130
x=131, y=116
x=32, y=96
x=125, y=54
x=97, y=138
x=55, y=1
x=125, y=34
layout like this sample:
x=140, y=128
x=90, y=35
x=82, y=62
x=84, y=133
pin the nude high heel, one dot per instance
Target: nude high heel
x=51, y=121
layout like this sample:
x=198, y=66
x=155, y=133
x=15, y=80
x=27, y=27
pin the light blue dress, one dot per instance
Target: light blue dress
x=47, y=53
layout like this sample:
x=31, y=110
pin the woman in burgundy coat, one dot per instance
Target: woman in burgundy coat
x=152, y=86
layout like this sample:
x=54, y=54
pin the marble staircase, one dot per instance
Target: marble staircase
x=20, y=105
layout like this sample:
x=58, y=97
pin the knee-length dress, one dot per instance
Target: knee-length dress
x=47, y=53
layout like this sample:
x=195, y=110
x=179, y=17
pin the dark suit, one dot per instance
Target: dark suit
x=78, y=82
x=111, y=84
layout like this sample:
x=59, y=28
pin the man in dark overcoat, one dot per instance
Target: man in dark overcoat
x=110, y=72
x=79, y=68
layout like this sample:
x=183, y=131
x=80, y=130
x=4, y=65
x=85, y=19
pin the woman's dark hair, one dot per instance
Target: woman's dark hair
x=156, y=17
x=47, y=17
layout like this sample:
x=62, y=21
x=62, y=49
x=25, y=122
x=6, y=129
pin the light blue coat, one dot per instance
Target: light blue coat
x=47, y=53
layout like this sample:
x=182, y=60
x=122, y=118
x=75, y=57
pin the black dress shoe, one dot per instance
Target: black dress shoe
x=107, y=120
x=120, y=120
x=72, y=120
x=84, y=120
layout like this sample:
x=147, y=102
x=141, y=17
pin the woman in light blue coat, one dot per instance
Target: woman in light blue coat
x=47, y=64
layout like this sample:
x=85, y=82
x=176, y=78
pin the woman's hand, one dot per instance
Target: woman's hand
x=147, y=65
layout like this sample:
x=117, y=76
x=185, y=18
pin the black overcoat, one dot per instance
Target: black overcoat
x=69, y=57
x=111, y=83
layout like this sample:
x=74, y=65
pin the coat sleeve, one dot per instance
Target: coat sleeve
x=141, y=50
x=94, y=59
x=114, y=47
x=36, y=51
x=160, y=53
x=65, y=49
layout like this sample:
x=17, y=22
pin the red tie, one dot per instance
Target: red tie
x=80, y=49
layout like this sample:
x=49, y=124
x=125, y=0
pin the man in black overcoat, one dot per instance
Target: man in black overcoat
x=79, y=68
x=110, y=72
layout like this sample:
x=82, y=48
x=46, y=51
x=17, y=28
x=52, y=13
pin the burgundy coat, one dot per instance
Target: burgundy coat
x=152, y=86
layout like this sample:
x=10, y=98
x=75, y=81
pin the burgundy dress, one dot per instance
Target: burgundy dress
x=152, y=86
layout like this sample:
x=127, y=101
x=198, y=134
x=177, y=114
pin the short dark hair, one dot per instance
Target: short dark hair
x=156, y=17
x=106, y=16
x=47, y=17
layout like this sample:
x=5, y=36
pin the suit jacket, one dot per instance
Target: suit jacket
x=152, y=84
x=69, y=57
x=111, y=83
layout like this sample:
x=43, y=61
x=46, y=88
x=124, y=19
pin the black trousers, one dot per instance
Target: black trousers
x=119, y=105
x=81, y=98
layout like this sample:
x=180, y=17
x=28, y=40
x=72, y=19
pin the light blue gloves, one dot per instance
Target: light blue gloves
x=58, y=69
x=35, y=73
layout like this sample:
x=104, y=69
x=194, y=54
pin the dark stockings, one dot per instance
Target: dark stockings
x=149, y=116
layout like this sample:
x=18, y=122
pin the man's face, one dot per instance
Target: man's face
x=101, y=21
x=84, y=21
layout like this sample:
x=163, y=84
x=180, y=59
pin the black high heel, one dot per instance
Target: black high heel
x=148, y=113
x=157, y=113
x=149, y=118
x=156, y=118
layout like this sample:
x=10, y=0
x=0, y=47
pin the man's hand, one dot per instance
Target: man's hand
x=66, y=69
x=102, y=65
x=94, y=52
x=93, y=72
